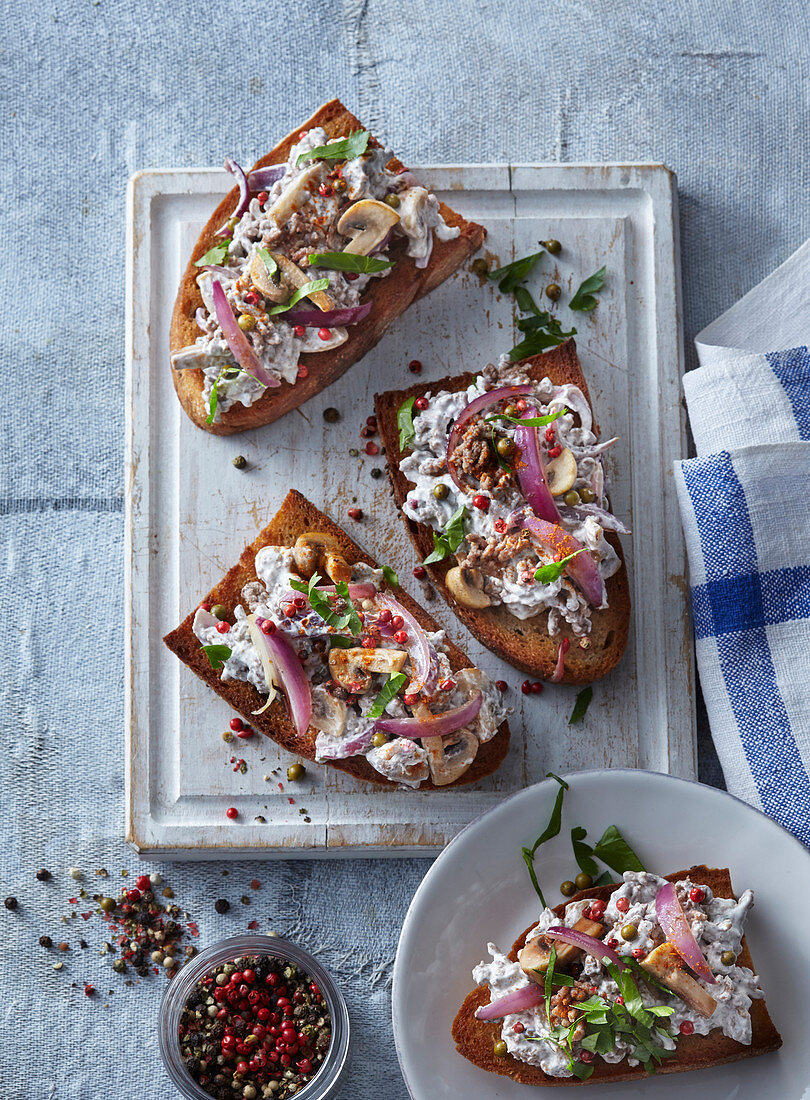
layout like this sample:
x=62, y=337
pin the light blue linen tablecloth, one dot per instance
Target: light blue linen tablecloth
x=93, y=90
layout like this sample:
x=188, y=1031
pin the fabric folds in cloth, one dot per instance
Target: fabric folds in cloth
x=745, y=507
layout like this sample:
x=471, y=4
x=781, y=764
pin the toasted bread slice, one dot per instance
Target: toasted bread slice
x=475, y=1038
x=391, y=296
x=524, y=643
x=296, y=516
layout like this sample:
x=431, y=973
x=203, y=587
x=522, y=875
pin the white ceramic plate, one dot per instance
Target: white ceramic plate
x=478, y=890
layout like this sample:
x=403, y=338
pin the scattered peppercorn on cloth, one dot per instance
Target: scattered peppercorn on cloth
x=746, y=514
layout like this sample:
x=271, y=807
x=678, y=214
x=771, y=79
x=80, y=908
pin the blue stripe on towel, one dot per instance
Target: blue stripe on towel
x=758, y=599
x=792, y=368
x=721, y=513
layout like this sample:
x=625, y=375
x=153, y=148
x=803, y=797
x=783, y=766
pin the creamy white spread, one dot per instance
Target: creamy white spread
x=341, y=717
x=295, y=220
x=490, y=546
x=716, y=923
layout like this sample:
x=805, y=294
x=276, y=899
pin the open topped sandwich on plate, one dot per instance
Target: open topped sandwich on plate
x=300, y=270
x=500, y=479
x=647, y=975
x=304, y=638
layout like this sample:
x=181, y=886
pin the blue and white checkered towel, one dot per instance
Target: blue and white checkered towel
x=745, y=504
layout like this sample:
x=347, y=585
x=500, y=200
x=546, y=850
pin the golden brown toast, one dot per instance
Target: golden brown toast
x=391, y=296
x=475, y=1038
x=524, y=643
x=296, y=516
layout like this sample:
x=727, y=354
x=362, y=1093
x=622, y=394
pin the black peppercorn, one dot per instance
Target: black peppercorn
x=11, y=903
x=331, y=416
x=376, y=472
x=43, y=875
x=45, y=941
x=221, y=905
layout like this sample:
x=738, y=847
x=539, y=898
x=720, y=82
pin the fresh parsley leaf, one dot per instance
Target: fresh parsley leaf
x=318, y=601
x=390, y=576
x=407, y=432
x=583, y=853
x=539, y=340
x=449, y=541
x=529, y=421
x=581, y=704
x=302, y=292
x=614, y=850
x=212, y=403
x=214, y=255
x=525, y=302
x=584, y=300
x=551, y=830
x=548, y=574
x=217, y=654
x=510, y=275
x=345, y=149
x=396, y=681
x=348, y=261
x=269, y=262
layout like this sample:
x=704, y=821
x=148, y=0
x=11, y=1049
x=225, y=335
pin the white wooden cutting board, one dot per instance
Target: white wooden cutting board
x=190, y=513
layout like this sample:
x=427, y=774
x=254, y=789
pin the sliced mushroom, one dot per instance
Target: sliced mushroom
x=561, y=473
x=367, y=222
x=316, y=550
x=328, y=713
x=449, y=757
x=352, y=667
x=467, y=587
x=668, y=967
x=535, y=955
x=401, y=761
x=275, y=290
x=297, y=194
x=294, y=278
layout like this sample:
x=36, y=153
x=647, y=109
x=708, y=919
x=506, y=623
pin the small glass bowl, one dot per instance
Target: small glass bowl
x=324, y=1081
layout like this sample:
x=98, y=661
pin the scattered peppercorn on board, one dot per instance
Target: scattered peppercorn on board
x=193, y=504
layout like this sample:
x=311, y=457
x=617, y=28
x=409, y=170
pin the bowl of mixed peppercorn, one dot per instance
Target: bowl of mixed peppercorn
x=257, y=1018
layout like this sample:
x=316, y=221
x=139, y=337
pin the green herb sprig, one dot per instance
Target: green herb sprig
x=214, y=256
x=529, y=421
x=584, y=299
x=348, y=620
x=348, y=261
x=508, y=276
x=302, y=292
x=548, y=574
x=395, y=683
x=551, y=830
x=407, y=432
x=345, y=149
x=269, y=262
x=217, y=655
x=390, y=576
x=581, y=704
x=450, y=539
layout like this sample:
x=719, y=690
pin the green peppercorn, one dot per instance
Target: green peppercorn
x=552, y=246
x=392, y=200
x=553, y=291
x=240, y=462
x=232, y=222
x=728, y=958
x=511, y=410
x=480, y=267
x=587, y=496
x=499, y=1049
x=629, y=932
x=379, y=739
x=246, y=322
x=119, y=966
x=568, y=888
x=219, y=611
x=107, y=904
x=571, y=498
x=505, y=448
x=584, y=881
x=440, y=491
x=296, y=772
x=331, y=415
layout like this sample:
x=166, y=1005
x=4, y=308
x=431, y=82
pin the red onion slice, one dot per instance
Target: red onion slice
x=293, y=682
x=478, y=405
x=582, y=569
x=236, y=340
x=244, y=190
x=676, y=929
x=531, y=473
x=439, y=725
x=218, y=269
x=417, y=645
x=262, y=179
x=529, y=997
x=587, y=943
x=559, y=668
x=349, y=748
x=316, y=318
